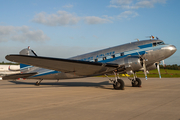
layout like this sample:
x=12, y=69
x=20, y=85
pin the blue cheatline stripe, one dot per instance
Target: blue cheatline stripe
x=46, y=73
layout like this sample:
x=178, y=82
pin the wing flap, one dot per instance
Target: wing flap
x=65, y=65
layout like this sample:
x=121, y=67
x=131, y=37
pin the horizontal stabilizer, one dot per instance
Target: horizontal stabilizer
x=77, y=67
x=19, y=75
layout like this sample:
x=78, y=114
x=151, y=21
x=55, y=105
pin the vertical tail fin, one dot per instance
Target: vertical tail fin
x=27, y=51
x=23, y=67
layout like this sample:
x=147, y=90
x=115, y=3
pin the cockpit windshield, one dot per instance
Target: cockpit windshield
x=158, y=43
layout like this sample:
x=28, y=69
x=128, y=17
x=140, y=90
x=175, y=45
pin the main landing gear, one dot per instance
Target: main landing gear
x=118, y=83
x=136, y=82
x=38, y=82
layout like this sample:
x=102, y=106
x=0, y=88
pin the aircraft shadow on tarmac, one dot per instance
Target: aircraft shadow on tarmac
x=69, y=84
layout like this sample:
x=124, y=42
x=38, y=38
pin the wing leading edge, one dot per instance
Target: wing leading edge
x=82, y=68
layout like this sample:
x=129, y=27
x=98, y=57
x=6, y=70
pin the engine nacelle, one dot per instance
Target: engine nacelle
x=131, y=63
x=14, y=68
x=152, y=67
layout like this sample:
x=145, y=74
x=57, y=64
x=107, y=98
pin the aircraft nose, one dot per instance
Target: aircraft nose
x=169, y=50
x=172, y=48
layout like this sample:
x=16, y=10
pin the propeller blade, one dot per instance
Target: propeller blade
x=158, y=70
x=163, y=63
x=144, y=66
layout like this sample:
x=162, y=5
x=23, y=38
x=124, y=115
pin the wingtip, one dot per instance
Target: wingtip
x=8, y=57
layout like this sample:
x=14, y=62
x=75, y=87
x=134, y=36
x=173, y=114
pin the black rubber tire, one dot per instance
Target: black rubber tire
x=137, y=83
x=119, y=85
x=37, y=83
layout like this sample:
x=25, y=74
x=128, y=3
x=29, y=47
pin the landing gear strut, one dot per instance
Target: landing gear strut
x=38, y=82
x=118, y=84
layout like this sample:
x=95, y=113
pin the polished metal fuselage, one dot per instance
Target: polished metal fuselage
x=127, y=55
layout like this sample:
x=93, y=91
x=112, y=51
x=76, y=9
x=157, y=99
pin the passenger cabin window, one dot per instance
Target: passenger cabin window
x=122, y=54
x=100, y=59
x=117, y=55
x=112, y=56
x=108, y=57
x=95, y=60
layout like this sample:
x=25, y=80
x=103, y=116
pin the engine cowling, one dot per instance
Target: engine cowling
x=152, y=67
x=14, y=68
x=131, y=63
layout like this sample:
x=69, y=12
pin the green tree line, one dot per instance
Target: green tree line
x=171, y=67
x=8, y=63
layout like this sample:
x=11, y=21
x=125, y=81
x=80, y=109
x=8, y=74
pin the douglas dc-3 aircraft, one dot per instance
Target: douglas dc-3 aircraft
x=129, y=58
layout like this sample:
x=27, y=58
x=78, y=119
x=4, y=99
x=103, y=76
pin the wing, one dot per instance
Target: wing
x=19, y=75
x=83, y=68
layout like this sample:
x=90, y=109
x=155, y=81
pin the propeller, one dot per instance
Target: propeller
x=163, y=63
x=144, y=66
x=143, y=60
x=157, y=64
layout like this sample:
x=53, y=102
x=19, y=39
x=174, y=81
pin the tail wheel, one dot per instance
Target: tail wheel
x=136, y=83
x=119, y=85
x=37, y=83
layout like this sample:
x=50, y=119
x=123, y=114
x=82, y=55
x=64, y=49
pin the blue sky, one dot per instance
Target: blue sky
x=68, y=28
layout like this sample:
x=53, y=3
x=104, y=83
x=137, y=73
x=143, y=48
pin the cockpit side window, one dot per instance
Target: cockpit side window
x=154, y=44
x=158, y=43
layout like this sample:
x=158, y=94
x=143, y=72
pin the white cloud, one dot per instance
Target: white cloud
x=95, y=36
x=135, y=4
x=96, y=20
x=68, y=6
x=130, y=5
x=23, y=33
x=147, y=3
x=61, y=18
x=121, y=2
x=127, y=15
